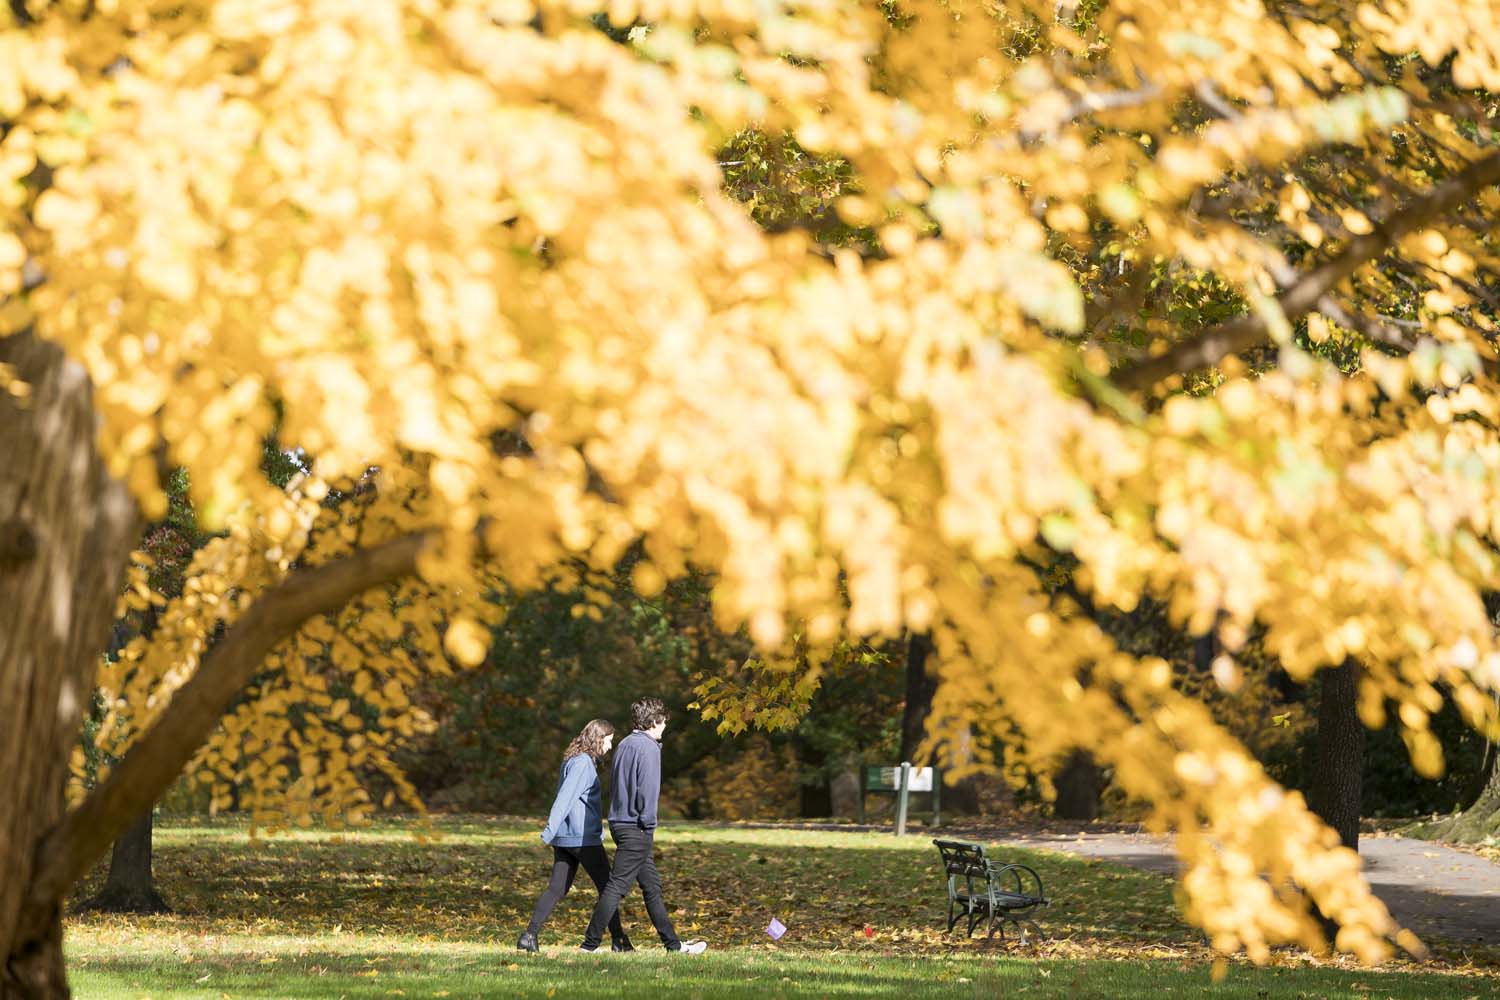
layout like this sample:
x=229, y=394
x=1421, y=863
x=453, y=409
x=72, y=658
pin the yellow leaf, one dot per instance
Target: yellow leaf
x=466, y=641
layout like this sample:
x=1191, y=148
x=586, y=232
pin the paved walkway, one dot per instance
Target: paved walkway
x=1434, y=890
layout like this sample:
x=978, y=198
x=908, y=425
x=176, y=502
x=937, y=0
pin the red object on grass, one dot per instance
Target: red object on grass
x=869, y=931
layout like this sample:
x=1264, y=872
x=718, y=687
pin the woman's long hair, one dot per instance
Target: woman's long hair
x=591, y=740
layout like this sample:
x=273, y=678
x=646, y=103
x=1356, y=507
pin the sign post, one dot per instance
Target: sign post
x=900, y=781
x=901, y=794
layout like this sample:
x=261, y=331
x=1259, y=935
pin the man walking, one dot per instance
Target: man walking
x=632, y=826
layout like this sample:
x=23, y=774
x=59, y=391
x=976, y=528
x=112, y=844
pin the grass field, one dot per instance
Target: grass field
x=379, y=914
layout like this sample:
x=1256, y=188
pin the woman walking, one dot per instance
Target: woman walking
x=575, y=830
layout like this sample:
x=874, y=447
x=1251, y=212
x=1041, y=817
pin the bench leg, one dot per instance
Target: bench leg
x=959, y=913
x=975, y=915
x=1027, y=931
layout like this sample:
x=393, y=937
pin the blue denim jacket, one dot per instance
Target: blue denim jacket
x=576, y=817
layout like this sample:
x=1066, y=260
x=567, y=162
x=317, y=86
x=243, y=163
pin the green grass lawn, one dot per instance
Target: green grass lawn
x=378, y=913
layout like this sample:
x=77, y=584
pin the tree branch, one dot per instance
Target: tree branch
x=1243, y=332
x=1211, y=99
x=1092, y=102
x=1375, y=329
x=158, y=757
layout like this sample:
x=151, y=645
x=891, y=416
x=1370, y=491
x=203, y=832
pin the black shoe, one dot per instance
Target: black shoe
x=623, y=944
x=527, y=942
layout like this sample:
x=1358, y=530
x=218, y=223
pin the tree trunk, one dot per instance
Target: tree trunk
x=1476, y=824
x=66, y=529
x=130, y=887
x=1335, y=785
x=920, y=687
x=814, y=800
x=1080, y=785
x=843, y=790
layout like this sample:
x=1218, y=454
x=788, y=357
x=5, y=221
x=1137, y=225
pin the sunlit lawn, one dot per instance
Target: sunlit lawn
x=378, y=913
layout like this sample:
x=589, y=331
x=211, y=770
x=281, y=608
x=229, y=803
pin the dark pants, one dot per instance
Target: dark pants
x=565, y=862
x=633, y=863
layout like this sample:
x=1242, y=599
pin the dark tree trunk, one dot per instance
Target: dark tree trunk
x=1080, y=785
x=920, y=687
x=814, y=800
x=130, y=887
x=1335, y=786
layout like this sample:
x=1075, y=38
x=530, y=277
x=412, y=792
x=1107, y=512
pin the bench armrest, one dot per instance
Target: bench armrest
x=997, y=870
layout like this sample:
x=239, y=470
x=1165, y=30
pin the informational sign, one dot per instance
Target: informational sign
x=888, y=779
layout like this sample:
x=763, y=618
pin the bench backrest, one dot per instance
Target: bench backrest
x=963, y=858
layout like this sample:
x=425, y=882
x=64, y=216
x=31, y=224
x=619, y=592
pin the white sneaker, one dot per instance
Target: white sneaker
x=693, y=948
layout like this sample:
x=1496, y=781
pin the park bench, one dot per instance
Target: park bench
x=981, y=888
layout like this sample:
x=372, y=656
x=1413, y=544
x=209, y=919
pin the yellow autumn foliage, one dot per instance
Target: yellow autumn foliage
x=478, y=257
